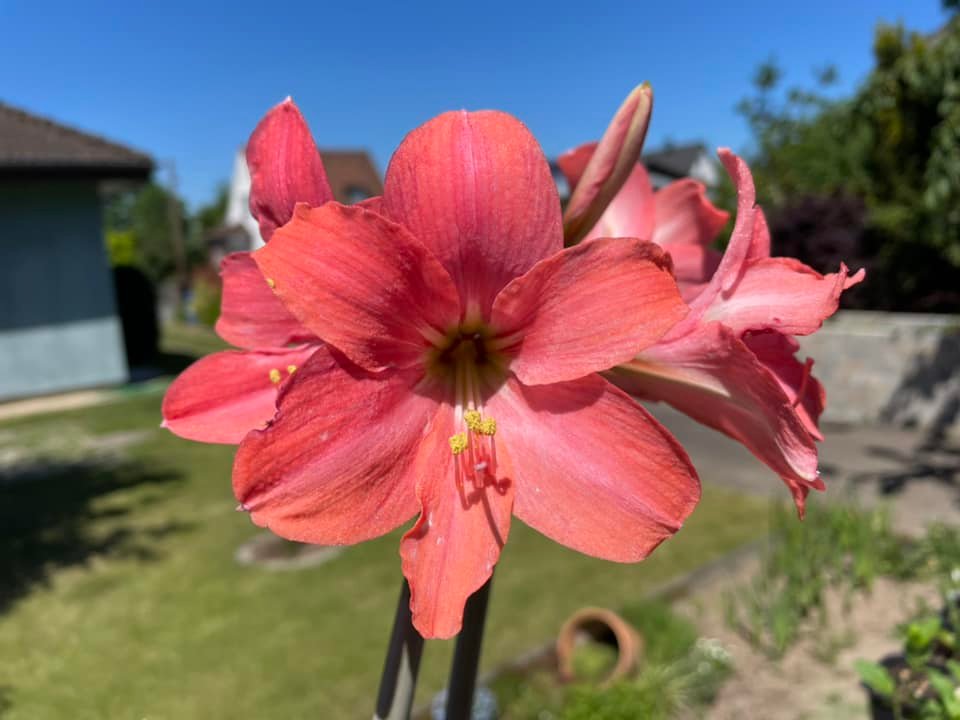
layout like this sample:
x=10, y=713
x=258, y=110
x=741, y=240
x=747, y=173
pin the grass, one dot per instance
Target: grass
x=120, y=598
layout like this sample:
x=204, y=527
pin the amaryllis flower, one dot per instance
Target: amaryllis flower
x=730, y=364
x=459, y=376
x=678, y=217
x=224, y=395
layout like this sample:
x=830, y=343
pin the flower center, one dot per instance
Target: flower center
x=472, y=367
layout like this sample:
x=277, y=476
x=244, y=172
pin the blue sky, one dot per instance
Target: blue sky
x=188, y=81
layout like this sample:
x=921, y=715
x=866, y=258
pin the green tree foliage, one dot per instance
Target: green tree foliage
x=894, y=146
x=138, y=230
x=211, y=216
x=145, y=215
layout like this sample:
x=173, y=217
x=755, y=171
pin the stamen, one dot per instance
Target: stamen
x=274, y=375
x=270, y=283
x=458, y=443
x=488, y=427
x=291, y=369
x=473, y=420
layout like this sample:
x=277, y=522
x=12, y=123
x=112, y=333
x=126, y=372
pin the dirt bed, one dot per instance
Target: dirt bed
x=815, y=680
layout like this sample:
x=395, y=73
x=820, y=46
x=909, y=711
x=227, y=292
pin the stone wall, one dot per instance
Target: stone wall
x=899, y=368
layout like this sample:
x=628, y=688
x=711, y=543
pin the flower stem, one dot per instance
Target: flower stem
x=466, y=656
x=399, y=680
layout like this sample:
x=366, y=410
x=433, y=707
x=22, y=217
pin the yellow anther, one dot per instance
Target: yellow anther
x=270, y=283
x=291, y=369
x=274, y=375
x=488, y=427
x=472, y=419
x=458, y=443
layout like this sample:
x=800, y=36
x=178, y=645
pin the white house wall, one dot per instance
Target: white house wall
x=238, y=201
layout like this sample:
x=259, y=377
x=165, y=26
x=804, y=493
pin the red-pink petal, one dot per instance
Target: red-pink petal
x=451, y=550
x=221, y=397
x=250, y=314
x=741, y=239
x=693, y=266
x=572, y=163
x=593, y=470
x=476, y=189
x=285, y=168
x=587, y=308
x=781, y=294
x=631, y=213
x=336, y=466
x=760, y=242
x=685, y=216
x=361, y=283
x=373, y=204
x=778, y=354
x=714, y=378
x=609, y=166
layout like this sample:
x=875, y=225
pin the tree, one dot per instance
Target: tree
x=894, y=148
x=144, y=215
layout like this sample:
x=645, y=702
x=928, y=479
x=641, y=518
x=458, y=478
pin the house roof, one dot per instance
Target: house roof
x=34, y=145
x=676, y=160
x=351, y=172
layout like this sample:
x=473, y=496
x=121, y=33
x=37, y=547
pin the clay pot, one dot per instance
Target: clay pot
x=602, y=626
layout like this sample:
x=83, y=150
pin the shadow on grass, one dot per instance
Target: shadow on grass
x=58, y=514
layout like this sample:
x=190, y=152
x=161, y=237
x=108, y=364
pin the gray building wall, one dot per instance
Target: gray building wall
x=58, y=324
x=899, y=368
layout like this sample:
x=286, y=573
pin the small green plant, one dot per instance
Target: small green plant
x=925, y=681
x=837, y=546
x=206, y=302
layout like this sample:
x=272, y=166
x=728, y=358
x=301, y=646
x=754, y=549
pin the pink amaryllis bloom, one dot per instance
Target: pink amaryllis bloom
x=730, y=364
x=223, y=396
x=459, y=375
x=679, y=217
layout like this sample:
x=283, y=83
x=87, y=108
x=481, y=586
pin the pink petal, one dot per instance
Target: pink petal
x=593, y=470
x=693, y=266
x=250, y=314
x=741, y=239
x=610, y=165
x=781, y=294
x=476, y=189
x=451, y=550
x=360, y=282
x=373, y=204
x=572, y=163
x=714, y=378
x=631, y=213
x=336, y=466
x=285, y=168
x=223, y=396
x=587, y=308
x=778, y=354
x=760, y=242
x=685, y=216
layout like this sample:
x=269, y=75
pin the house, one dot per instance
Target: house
x=352, y=175
x=59, y=327
x=681, y=161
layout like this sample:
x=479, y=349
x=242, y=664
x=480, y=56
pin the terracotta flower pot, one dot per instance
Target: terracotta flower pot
x=602, y=626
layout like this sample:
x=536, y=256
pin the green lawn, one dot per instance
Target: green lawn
x=120, y=598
